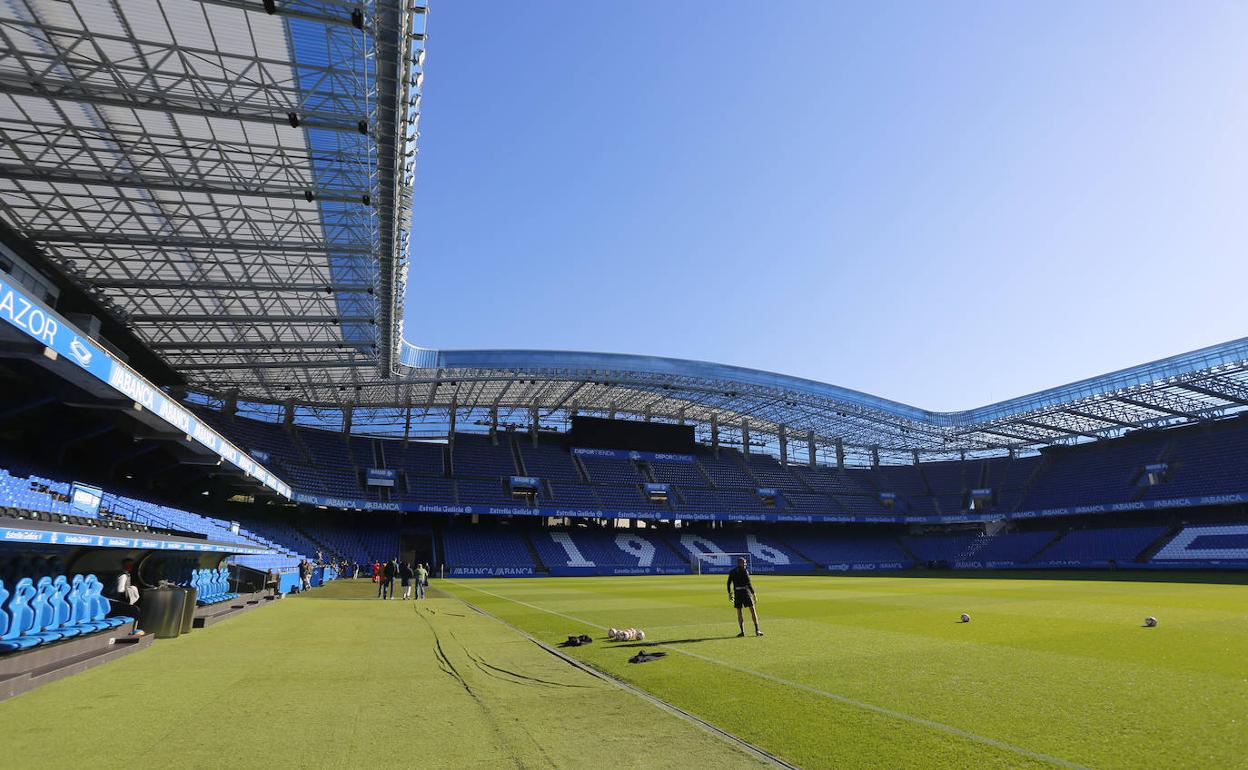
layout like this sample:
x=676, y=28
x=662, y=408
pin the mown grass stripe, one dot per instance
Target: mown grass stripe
x=871, y=707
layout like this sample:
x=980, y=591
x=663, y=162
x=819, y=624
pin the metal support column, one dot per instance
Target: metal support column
x=494, y=424
x=407, y=421
x=784, y=446
x=840, y=454
x=534, y=421
x=230, y=407
x=745, y=438
x=875, y=457
x=288, y=414
x=715, y=433
x=348, y=414
x=810, y=449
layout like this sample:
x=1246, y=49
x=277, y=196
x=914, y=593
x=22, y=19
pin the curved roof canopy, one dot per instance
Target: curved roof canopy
x=232, y=178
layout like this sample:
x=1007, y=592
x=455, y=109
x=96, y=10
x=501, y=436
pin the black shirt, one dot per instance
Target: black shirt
x=739, y=578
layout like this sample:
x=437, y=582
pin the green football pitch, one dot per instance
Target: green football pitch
x=852, y=672
x=878, y=672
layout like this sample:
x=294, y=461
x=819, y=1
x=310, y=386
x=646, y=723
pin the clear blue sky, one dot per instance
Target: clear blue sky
x=943, y=203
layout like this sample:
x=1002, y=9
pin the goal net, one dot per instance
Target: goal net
x=721, y=562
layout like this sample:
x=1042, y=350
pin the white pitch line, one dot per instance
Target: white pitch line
x=928, y=723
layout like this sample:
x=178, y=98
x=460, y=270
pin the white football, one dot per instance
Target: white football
x=1150, y=621
x=640, y=634
x=966, y=618
x=612, y=633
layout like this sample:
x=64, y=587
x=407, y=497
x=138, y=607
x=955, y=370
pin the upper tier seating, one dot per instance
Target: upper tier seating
x=1210, y=459
x=1093, y=474
x=548, y=460
x=610, y=470
x=478, y=456
x=727, y=470
x=770, y=473
x=684, y=474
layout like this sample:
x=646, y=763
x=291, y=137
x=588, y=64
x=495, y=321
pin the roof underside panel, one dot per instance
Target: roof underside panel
x=232, y=183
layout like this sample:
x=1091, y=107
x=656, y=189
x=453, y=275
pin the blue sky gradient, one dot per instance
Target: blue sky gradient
x=946, y=204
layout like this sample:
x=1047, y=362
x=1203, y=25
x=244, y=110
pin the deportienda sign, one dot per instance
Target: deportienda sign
x=49, y=329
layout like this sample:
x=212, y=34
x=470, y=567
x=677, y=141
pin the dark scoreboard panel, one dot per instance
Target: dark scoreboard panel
x=601, y=433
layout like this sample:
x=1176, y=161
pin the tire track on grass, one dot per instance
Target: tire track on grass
x=871, y=707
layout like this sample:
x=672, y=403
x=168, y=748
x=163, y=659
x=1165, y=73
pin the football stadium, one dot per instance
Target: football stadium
x=245, y=519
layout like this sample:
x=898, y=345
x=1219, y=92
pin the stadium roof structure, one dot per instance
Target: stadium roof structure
x=232, y=180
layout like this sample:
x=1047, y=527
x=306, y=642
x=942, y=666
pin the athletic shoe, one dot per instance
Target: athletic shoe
x=740, y=634
x=758, y=633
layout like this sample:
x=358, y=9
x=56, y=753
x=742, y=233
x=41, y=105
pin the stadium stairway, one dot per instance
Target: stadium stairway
x=1151, y=550
x=1057, y=536
x=539, y=566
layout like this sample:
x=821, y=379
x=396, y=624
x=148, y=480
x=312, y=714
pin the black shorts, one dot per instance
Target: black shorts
x=742, y=597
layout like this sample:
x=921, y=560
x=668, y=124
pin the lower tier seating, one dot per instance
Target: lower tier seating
x=52, y=609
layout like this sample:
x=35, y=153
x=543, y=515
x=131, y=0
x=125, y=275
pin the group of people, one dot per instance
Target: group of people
x=384, y=576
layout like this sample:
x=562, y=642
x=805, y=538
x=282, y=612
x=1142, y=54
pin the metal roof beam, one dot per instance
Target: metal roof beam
x=1056, y=429
x=258, y=318
x=174, y=241
x=262, y=345
x=249, y=365
x=1235, y=398
x=241, y=284
x=1157, y=408
x=292, y=10
x=183, y=184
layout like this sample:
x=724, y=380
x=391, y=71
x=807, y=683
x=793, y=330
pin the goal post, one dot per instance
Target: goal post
x=717, y=561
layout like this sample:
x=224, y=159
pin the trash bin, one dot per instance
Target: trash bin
x=161, y=611
x=190, y=595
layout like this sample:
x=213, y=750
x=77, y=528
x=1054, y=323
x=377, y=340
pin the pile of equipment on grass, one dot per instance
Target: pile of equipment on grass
x=626, y=634
x=577, y=641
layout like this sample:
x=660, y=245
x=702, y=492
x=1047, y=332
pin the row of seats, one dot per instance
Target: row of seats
x=593, y=547
x=212, y=585
x=103, y=522
x=53, y=609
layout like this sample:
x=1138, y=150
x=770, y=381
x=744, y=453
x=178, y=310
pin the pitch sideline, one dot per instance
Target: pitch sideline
x=928, y=723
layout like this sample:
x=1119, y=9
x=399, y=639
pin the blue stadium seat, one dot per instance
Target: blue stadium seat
x=100, y=606
x=21, y=617
x=62, y=612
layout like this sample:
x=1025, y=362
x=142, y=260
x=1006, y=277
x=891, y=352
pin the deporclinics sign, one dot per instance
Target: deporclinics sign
x=61, y=537
x=628, y=454
x=45, y=326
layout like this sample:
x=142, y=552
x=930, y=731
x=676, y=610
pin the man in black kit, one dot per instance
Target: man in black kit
x=742, y=594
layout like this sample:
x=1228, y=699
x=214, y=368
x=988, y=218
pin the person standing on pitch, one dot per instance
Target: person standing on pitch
x=742, y=594
x=405, y=577
x=422, y=580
